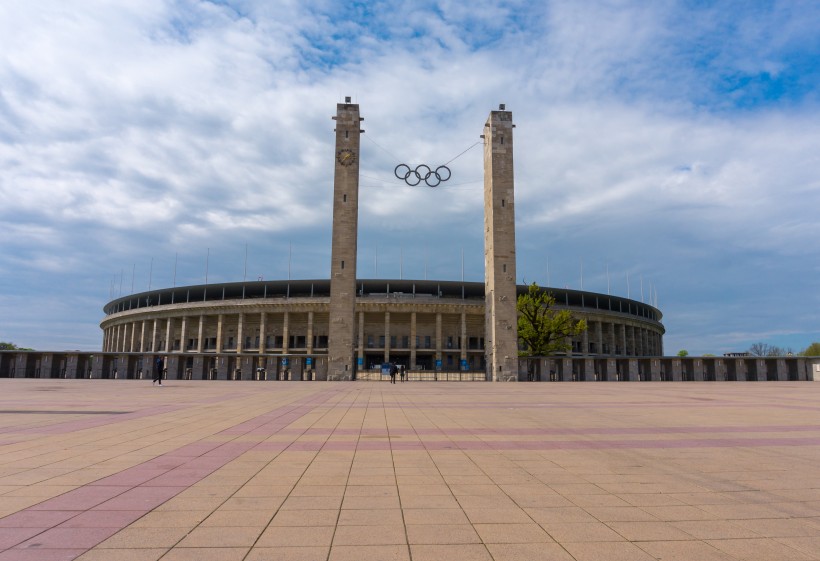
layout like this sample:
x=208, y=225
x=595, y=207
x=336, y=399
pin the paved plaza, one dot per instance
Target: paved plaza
x=259, y=471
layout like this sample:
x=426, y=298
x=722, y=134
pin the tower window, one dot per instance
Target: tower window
x=504, y=268
x=503, y=203
x=344, y=198
x=343, y=264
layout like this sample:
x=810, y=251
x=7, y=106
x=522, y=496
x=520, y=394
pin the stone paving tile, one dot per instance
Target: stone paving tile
x=760, y=549
x=356, y=471
x=684, y=551
x=474, y=552
x=608, y=551
x=574, y=532
x=206, y=554
x=528, y=552
x=122, y=555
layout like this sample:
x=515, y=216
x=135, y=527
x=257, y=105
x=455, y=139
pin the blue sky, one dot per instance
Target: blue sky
x=664, y=150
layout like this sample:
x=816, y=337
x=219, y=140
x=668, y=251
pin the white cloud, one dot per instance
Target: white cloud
x=143, y=130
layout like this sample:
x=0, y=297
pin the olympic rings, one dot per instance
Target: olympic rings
x=421, y=173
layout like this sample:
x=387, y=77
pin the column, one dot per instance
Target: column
x=154, y=348
x=344, y=242
x=142, y=337
x=310, y=333
x=599, y=338
x=168, y=334
x=183, y=334
x=463, y=355
x=263, y=328
x=386, y=336
x=622, y=330
x=501, y=316
x=360, y=357
x=585, y=342
x=286, y=333
x=133, y=336
x=220, y=320
x=240, y=331
x=413, y=335
x=199, y=334
x=438, y=338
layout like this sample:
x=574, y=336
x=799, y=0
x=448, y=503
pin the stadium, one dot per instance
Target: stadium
x=428, y=326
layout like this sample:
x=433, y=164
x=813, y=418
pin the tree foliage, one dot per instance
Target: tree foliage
x=4, y=346
x=683, y=352
x=765, y=349
x=812, y=350
x=544, y=330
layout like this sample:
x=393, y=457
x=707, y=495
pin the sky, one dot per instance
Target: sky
x=668, y=151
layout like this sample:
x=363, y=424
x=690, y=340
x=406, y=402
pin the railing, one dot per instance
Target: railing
x=424, y=376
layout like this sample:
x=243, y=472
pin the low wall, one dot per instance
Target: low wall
x=274, y=367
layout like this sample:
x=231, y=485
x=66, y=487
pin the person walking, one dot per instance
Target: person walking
x=402, y=373
x=158, y=371
x=393, y=371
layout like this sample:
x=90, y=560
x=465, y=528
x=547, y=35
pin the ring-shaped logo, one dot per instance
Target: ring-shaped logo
x=422, y=172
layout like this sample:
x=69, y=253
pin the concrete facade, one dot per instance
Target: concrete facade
x=499, y=248
x=273, y=367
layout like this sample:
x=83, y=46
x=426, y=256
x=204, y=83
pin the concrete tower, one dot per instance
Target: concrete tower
x=343, y=256
x=501, y=317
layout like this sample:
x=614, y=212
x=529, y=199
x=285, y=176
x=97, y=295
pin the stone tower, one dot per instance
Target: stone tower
x=343, y=254
x=501, y=317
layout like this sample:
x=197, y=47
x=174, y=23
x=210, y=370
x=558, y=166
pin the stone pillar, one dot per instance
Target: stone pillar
x=133, y=336
x=154, y=332
x=386, y=336
x=585, y=342
x=240, y=332
x=310, y=333
x=286, y=333
x=599, y=338
x=463, y=355
x=142, y=337
x=499, y=248
x=263, y=327
x=438, y=339
x=344, y=242
x=413, y=335
x=200, y=332
x=183, y=334
x=168, y=334
x=220, y=320
x=621, y=338
x=360, y=357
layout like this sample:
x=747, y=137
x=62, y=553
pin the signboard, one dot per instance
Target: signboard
x=438, y=364
x=309, y=361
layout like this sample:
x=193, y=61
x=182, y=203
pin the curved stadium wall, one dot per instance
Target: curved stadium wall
x=426, y=325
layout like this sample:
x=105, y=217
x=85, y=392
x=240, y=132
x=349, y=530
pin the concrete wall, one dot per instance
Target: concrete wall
x=278, y=367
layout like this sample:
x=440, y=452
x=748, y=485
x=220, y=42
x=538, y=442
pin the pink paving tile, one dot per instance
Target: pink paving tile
x=41, y=555
x=82, y=498
x=131, y=477
x=68, y=538
x=103, y=519
x=37, y=518
x=9, y=537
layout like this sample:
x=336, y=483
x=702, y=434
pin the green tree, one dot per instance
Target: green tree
x=811, y=350
x=4, y=346
x=544, y=330
x=683, y=352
